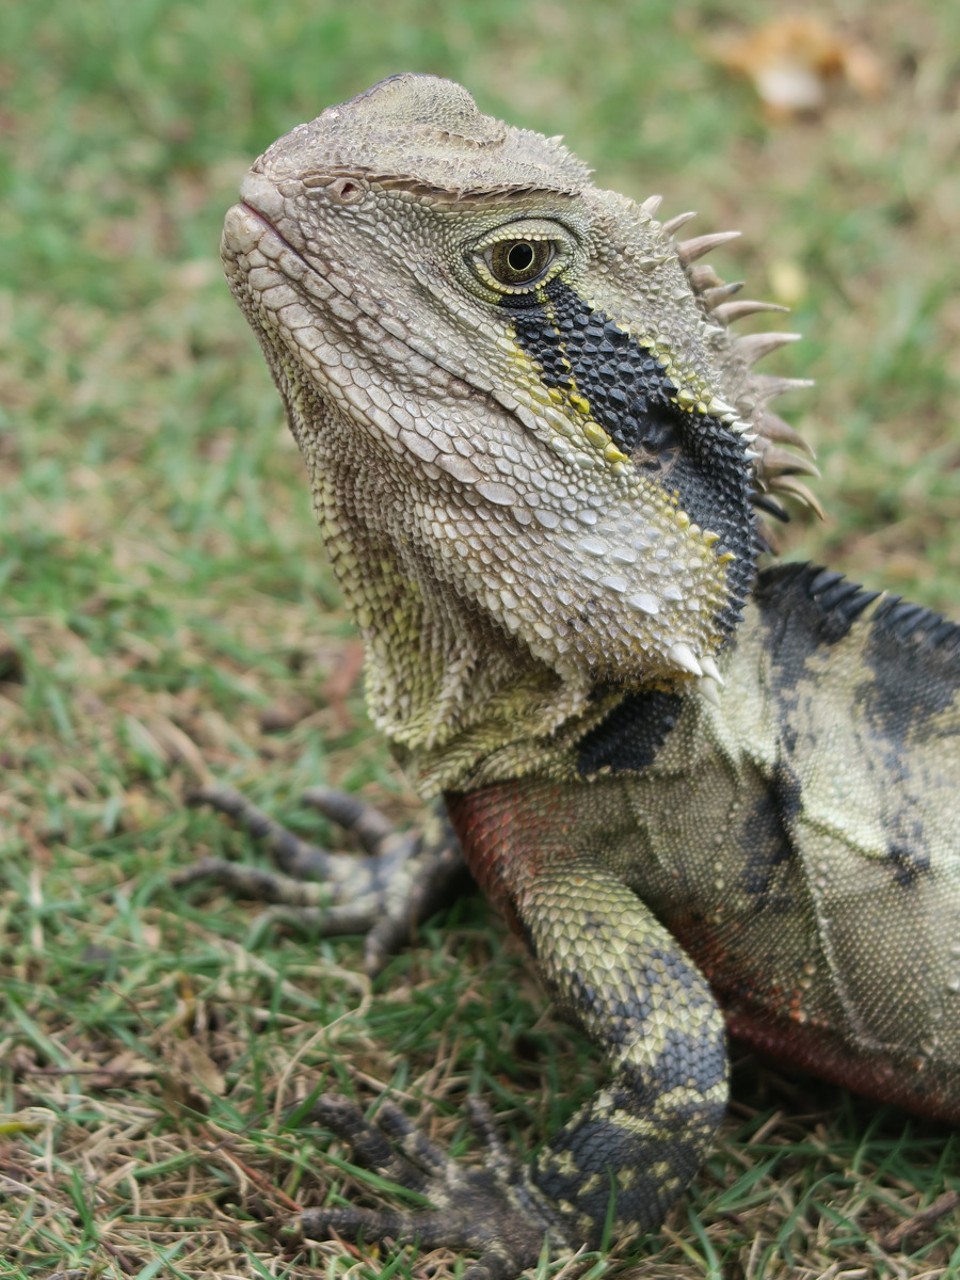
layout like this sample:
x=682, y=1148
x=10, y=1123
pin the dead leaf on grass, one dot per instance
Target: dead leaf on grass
x=794, y=61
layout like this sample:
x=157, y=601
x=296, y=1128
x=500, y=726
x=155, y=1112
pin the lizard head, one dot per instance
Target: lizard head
x=519, y=402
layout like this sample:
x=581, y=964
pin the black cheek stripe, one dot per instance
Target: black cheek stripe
x=630, y=395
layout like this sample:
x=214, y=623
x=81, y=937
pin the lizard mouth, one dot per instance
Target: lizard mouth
x=251, y=209
x=244, y=228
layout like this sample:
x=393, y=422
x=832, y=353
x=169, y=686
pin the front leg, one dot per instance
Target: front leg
x=612, y=968
x=617, y=1166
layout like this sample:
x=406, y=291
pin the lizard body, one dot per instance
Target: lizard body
x=535, y=449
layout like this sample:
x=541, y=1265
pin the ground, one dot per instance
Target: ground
x=167, y=617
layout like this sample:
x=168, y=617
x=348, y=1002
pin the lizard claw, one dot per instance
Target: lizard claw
x=493, y=1211
x=397, y=881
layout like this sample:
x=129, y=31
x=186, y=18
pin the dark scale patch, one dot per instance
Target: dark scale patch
x=909, y=862
x=695, y=1058
x=767, y=839
x=914, y=656
x=805, y=608
x=677, y=971
x=620, y=1008
x=912, y=674
x=699, y=1061
x=629, y=394
x=600, y=1146
x=631, y=734
x=908, y=854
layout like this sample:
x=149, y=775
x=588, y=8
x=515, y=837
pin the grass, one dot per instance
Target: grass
x=166, y=617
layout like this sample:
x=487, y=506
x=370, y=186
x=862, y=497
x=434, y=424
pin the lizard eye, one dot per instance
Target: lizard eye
x=514, y=262
x=515, y=257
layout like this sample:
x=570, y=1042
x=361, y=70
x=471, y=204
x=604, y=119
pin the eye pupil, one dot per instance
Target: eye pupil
x=520, y=256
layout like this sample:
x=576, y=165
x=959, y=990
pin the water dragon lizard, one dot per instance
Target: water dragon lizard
x=704, y=795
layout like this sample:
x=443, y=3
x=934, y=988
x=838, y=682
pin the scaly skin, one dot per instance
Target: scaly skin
x=775, y=867
x=535, y=448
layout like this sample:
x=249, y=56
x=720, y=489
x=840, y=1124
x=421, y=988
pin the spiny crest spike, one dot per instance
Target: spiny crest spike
x=777, y=461
x=754, y=346
x=702, y=278
x=699, y=246
x=730, y=312
x=764, y=387
x=716, y=296
x=673, y=225
x=711, y=670
x=708, y=687
x=651, y=205
x=797, y=489
x=774, y=428
x=764, y=502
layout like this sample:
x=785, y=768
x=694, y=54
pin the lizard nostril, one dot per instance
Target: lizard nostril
x=345, y=191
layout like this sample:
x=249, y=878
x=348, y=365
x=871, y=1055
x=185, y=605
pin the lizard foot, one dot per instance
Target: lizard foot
x=493, y=1211
x=398, y=880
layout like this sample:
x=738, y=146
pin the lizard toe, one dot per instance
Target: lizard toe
x=398, y=880
x=492, y=1211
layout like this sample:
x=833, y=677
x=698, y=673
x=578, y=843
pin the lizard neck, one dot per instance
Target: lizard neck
x=463, y=706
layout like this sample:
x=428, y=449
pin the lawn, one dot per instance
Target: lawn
x=167, y=617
